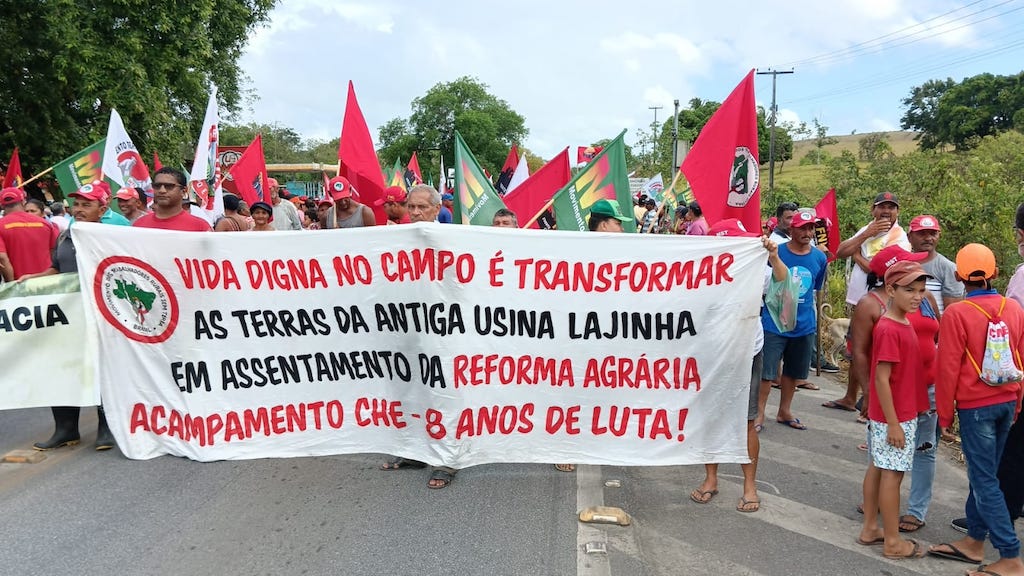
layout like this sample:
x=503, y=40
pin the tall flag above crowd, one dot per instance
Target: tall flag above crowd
x=204, y=178
x=826, y=230
x=722, y=166
x=412, y=175
x=475, y=200
x=604, y=178
x=122, y=164
x=586, y=154
x=520, y=175
x=533, y=196
x=80, y=168
x=13, y=177
x=357, y=158
x=507, y=170
x=250, y=174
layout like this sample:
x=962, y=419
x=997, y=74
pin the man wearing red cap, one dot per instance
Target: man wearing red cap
x=923, y=235
x=90, y=203
x=168, y=214
x=25, y=239
x=286, y=215
x=393, y=201
x=347, y=212
x=130, y=203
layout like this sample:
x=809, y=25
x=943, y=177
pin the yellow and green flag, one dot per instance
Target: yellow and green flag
x=475, y=200
x=604, y=178
x=396, y=176
x=80, y=168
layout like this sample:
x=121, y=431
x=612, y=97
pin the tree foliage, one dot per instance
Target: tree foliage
x=487, y=124
x=67, y=63
x=280, y=143
x=961, y=114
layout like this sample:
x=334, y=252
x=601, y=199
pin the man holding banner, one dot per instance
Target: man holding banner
x=90, y=203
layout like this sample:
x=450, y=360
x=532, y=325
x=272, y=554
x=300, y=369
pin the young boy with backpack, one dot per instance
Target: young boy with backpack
x=979, y=374
x=897, y=394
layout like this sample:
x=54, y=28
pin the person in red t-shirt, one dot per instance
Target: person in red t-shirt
x=393, y=201
x=894, y=402
x=168, y=213
x=25, y=239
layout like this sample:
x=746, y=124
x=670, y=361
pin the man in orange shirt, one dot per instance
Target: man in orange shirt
x=25, y=239
x=986, y=411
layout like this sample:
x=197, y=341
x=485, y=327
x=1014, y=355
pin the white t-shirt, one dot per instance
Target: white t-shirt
x=857, y=286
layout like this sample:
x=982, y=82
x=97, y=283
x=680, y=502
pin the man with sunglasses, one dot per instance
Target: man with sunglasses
x=168, y=214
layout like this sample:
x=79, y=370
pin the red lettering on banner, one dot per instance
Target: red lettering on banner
x=207, y=274
x=381, y=413
x=427, y=264
x=231, y=425
x=285, y=274
x=666, y=373
x=646, y=423
x=495, y=420
x=564, y=276
x=481, y=369
x=567, y=418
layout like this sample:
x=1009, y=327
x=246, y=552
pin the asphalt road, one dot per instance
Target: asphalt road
x=83, y=512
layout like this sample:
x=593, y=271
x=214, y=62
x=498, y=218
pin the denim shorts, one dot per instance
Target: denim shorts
x=794, y=353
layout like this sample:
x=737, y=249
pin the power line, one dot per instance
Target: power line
x=874, y=44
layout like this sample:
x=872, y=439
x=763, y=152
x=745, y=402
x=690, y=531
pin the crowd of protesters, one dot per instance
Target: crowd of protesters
x=920, y=339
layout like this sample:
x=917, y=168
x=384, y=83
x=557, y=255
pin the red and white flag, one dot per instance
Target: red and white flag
x=122, y=164
x=205, y=175
x=530, y=197
x=722, y=167
x=13, y=177
x=584, y=154
x=250, y=174
x=826, y=230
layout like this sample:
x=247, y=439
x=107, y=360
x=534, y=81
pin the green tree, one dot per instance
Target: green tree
x=487, y=124
x=961, y=114
x=874, y=147
x=67, y=63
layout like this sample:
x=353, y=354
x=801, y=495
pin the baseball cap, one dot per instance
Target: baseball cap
x=447, y=197
x=975, y=262
x=127, y=193
x=391, y=194
x=11, y=196
x=272, y=182
x=262, y=206
x=608, y=208
x=339, y=187
x=804, y=217
x=924, y=222
x=886, y=197
x=886, y=257
x=731, y=227
x=905, y=273
x=96, y=190
x=325, y=201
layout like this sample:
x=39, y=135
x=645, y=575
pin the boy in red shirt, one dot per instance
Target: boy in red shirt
x=985, y=411
x=893, y=403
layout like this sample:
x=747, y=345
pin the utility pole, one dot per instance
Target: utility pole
x=675, y=136
x=654, y=138
x=771, y=139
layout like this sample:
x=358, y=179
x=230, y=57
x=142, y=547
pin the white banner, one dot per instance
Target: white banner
x=455, y=345
x=43, y=355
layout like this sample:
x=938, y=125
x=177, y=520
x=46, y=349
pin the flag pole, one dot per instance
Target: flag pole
x=37, y=176
x=539, y=214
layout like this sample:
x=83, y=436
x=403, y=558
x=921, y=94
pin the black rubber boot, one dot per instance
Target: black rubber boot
x=65, y=419
x=104, y=439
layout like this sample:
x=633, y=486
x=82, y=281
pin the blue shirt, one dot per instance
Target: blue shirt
x=445, y=215
x=810, y=269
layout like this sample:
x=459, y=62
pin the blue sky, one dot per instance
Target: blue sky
x=581, y=71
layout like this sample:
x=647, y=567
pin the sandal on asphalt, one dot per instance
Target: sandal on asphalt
x=748, y=505
x=703, y=496
x=910, y=523
x=794, y=423
x=954, y=553
x=565, y=467
x=809, y=386
x=838, y=406
x=916, y=552
x=983, y=570
x=401, y=464
x=440, y=479
x=875, y=542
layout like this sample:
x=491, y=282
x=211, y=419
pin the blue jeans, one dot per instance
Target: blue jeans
x=983, y=433
x=923, y=474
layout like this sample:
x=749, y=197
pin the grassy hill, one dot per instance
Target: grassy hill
x=811, y=176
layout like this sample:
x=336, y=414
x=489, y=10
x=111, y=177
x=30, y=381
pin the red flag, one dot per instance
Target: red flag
x=826, y=230
x=584, y=154
x=156, y=162
x=511, y=161
x=13, y=176
x=413, y=176
x=530, y=196
x=358, y=159
x=722, y=167
x=250, y=174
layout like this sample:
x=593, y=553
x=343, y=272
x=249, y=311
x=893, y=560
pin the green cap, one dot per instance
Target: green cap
x=608, y=208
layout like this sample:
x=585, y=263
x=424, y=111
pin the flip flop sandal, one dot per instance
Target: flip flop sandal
x=915, y=552
x=955, y=554
x=913, y=524
x=875, y=542
x=837, y=406
x=794, y=424
x=703, y=496
x=809, y=386
x=400, y=463
x=744, y=505
x=440, y=476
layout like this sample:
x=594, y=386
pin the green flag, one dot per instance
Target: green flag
x=80, y=168
x=475, y=201
x=396, y=176
x=604, y=178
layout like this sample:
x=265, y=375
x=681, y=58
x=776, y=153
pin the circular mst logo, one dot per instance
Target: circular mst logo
x=136, y=299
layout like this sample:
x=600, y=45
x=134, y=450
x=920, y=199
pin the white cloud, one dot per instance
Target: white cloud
x=880, y=125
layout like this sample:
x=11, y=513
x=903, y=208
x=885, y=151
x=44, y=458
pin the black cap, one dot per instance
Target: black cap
x=886, y=197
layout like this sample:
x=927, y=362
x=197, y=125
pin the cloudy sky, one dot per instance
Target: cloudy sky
x=581, y=71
